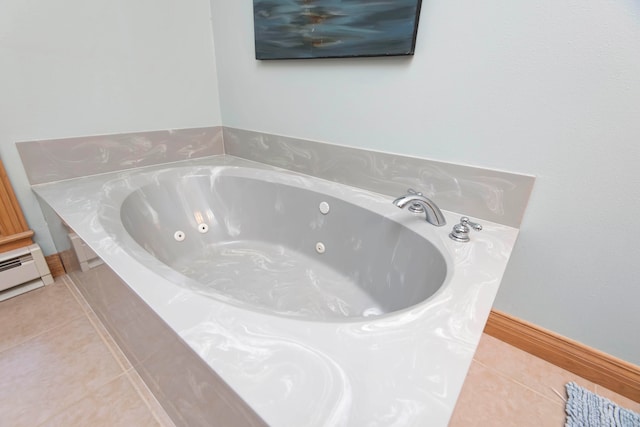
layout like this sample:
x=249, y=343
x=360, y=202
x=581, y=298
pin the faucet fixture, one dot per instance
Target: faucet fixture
x=460, y=232
x=420, y=204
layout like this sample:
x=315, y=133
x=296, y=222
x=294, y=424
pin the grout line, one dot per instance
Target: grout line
x=117, y=353
x=43, y=332
x=148, y=398
x=77, y=295
x=513, y=380
x=102, y=332
x=89, y=392
x=559, y=395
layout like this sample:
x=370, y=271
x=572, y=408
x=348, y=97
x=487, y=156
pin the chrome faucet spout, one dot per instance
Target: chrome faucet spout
x=433, y=215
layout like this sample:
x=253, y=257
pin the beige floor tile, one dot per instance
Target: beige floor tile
x=35, y=312
x=625, y=402
x=490, y=399
x=53, y=370
x=115, y=404
x=531, y=371
x=109, y=341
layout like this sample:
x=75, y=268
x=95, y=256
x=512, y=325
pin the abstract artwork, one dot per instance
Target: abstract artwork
x=334, y=28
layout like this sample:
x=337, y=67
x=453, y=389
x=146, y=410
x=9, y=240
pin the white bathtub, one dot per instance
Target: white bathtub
x=277, y=243
x=377, y=325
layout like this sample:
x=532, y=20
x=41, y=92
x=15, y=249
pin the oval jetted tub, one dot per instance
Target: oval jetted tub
x=272, y=242
x=319, y=304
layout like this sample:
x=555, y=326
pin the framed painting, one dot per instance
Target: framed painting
x=297, y=29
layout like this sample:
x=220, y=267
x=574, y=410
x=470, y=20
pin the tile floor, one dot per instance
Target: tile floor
x=59, y=367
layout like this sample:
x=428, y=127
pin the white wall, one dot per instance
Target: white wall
x=74, y=68
x=545, y=88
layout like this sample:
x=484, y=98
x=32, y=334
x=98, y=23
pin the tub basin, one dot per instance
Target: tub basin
x=260, y=240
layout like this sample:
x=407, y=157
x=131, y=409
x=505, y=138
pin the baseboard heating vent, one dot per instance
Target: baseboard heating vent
x=19, y=261
x=22, y=270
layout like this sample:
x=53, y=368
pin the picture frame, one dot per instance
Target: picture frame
x=305, y=29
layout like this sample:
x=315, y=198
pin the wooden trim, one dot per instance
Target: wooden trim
x=14, y=232
x=589, y=363
x=55, y=265
x=11, y=216
x=15, y=241
x=17, y=236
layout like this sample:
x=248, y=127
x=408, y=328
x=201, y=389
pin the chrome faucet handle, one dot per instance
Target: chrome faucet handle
x=415, y=207
x=460, y=232
x=465, y=221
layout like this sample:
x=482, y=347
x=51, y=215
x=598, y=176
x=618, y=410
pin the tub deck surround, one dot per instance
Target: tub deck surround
x=66, y=158
x=493, y=195
x=403, y=368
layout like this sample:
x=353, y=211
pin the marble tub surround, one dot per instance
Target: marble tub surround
x=488, y=194
x=59, y=159
x=492, y=195
x=405, y=368
x=189, y=391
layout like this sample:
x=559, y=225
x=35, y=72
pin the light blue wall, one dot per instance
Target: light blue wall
x=73, y=68
x=545, y=88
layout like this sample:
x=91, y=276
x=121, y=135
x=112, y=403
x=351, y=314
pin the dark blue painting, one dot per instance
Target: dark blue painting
x=334, y=28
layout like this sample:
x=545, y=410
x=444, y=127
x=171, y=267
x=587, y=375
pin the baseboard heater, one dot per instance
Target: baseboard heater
x=22, y=270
